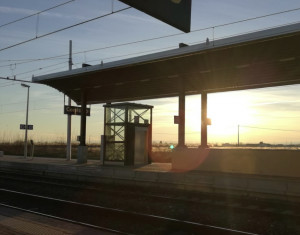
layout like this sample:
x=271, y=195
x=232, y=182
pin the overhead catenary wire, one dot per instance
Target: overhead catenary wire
x=24, y=102
x=26, y=61
x=19, y=111
x=271, y=129
x=15, y=80
x=63, y=29
x=128, y=43
x=129, y=54
x=39, y=69
x=37, y=13
x=149, y=39
x=23, y=79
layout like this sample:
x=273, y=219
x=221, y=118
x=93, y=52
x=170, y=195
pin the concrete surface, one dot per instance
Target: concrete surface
x=159, y=175
x=285, y=163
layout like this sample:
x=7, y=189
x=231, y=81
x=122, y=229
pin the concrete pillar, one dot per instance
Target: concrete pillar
x=150, y=138
x=181, y=125
x=83, y=119
x=203, y=120
x=82, y=148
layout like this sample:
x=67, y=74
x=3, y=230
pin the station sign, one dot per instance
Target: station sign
x=208, y=121
x=74, y=110
x=23, y=127
x=176, y=120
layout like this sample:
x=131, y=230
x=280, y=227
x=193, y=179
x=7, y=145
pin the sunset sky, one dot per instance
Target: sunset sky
x=270, y=115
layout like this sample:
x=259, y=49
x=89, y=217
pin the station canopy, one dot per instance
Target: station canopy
x=176, y=13
x=255, y=60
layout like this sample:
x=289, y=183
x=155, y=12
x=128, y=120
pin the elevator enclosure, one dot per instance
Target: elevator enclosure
x=127, y=134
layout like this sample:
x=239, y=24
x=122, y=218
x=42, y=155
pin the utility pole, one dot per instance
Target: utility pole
x=69, y=146
x=26, y=124
x=238, y=135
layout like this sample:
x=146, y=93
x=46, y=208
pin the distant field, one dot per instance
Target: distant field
x=160, y=152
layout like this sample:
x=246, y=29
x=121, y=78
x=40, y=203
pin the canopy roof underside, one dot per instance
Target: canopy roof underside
x=261, y=59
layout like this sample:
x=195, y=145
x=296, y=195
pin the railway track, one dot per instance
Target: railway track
x=206, y=203
x=101, y=217
x=265, y=206
x=33, y=220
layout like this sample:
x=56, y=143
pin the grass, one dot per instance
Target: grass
x=161, y=152
x=52, y=150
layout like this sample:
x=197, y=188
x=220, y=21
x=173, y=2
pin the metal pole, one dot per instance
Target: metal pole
x=181, y=126
x=69, y=123
x=238, y=135
x=26, y=127
x=83, y=119
x=150, y=138
x=204, y=120
x=181, y=112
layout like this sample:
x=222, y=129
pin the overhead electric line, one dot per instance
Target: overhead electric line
x=15, y=80
x=177, y=34
x=19, y=111
x=133, y=42
x=33, y=60
x=124, y=44
x=271, y=129
x=39, y=69
x=37, y=13
x=62, y=29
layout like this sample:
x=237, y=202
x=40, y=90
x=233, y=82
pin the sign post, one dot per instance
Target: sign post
x=26, y=125
x=23, y=127
x=176, y=119
x=74, y=110
x=69, y=119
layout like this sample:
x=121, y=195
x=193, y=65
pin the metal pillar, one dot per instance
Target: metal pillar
x=26, y=124
x=82, y=148
x=238, y=136
x=69, y=122
x=83, y=119
x=181, y=125
x=203, y=120
x=150, y=139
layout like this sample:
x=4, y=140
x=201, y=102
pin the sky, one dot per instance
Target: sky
x=270, y=115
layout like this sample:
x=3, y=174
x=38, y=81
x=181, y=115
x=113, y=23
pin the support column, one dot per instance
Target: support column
x=150, y=139
x=82, y=148
x=204, y=120
x=69, y=122
x=69, y=128
x=181, y=125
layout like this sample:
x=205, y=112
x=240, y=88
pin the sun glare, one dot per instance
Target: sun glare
x=230, y=109
x=226, y=111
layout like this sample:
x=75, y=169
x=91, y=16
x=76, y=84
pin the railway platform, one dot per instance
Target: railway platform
x=159, y=175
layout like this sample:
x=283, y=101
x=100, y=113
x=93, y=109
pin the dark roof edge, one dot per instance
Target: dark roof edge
x=202, y=47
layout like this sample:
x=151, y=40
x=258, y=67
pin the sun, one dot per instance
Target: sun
x=226, y=110
x=230, y=109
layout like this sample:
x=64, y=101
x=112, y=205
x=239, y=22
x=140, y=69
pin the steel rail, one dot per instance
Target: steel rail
x=214, y=201
x=100, y=211
x=65, y=220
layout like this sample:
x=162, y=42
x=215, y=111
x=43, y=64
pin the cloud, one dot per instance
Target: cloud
x=279, y=103
x=27, y=12
x=10, y=10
